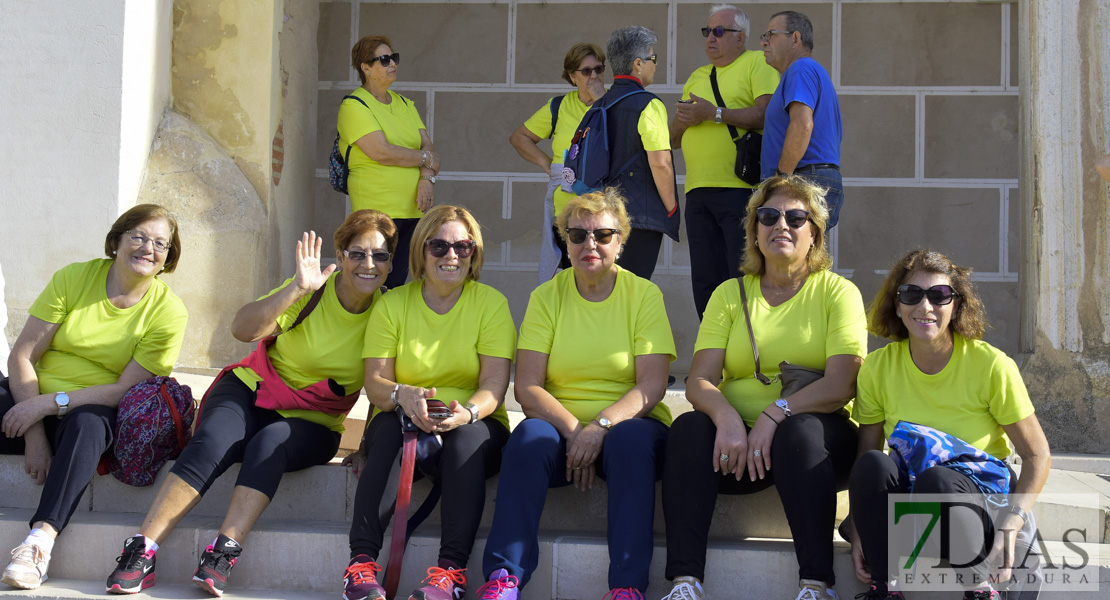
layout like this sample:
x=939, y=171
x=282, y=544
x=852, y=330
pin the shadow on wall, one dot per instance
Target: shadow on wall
x=224, y=232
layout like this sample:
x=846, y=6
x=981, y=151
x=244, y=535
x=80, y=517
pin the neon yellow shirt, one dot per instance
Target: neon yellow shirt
x=95, y=340
x=977, y=392
x=324, y=346
x=441, y=351
x=592, y=346
x=652, y=126
x=390, y=189
x=571, y=111
x=707, y=147
x=825, y=318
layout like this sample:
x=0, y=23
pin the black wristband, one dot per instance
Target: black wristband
x=772, y=418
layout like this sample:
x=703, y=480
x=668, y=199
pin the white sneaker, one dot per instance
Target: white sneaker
x=811, y=589
x=28, y=567
x=686, y=588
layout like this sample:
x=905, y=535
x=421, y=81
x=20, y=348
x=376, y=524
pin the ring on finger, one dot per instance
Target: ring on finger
x=758, y=453
x=724, y=458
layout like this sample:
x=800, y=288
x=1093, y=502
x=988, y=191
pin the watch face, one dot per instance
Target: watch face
x=606, y=423
x=62, y=399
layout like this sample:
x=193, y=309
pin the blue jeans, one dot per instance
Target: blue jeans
x=830, y=179
x=534, y=460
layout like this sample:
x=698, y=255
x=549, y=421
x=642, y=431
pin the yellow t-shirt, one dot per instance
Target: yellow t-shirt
x=825, y=318
x=96, y=340
x=571, y=111
x=707, y=147
x=324, y=346
x=592, y=346
x=390, y=189
x=655, y=134
x=978, y=391
x=441, y=351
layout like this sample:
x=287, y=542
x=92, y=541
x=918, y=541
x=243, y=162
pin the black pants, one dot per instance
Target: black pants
x=400, y=271
x=811, y=458
x=232, y=429
x=641, y=252
x=77, y=441
x=875, y=476
x=715, y=234
x=471, y=454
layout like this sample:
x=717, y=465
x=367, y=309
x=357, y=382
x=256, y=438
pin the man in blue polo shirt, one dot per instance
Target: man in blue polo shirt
x=801, y=129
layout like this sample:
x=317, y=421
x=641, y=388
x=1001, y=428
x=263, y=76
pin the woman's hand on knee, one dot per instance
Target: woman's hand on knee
x=356, y=460
x=730, y=448
x=23, y=415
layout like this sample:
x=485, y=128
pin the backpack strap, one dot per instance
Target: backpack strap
x=632, y=159
x=556, y=102
x=308, y=307
x=347, y=156
x=178, y=423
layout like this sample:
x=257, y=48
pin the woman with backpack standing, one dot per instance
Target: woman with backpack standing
x=558, y=119
x=279, y=410
x=392, y=162
x=98, y=328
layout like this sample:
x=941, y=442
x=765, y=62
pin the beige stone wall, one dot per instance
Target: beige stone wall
x=928, y=92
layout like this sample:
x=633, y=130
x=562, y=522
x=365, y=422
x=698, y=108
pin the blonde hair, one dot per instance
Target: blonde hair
x=795, y=188
x=608, y=200
x=430, y=223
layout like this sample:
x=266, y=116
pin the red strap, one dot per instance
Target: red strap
x=401, y=515
x=177, y=422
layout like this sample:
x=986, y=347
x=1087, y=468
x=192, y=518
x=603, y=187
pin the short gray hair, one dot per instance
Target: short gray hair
x=739, y=17
x=796, y=21
x=627, y=44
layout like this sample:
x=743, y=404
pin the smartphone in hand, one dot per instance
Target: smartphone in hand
x=438, y=410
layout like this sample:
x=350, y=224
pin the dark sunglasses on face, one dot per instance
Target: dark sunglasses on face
x=768, y=216
x=653, y=58
x=359, y=256
x=577, y=235
x=385, y=59
x=439, y=248
x=598, y=70
x=938, y=295
x=716, y=31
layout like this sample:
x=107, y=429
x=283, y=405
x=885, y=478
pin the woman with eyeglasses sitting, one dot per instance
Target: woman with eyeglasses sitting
x=99, y=328
x=446, y=337
x=937, y=373
x=392, y=162
x=594, y=351
x=279, y=410
x=745, y=434
x=558, y=119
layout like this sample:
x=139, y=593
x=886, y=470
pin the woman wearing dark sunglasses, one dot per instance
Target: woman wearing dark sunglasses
x=595, y=349
x=583, y=68
x=442, y=336
x=744, y=435
x=938, y=373
x=392, y=162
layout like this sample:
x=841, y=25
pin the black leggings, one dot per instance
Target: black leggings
x=77, y=441
x=471, y=454
x=811, y=457
x=232, y=429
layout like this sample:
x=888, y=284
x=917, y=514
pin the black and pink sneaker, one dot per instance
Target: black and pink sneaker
x=135, y=572
x=360, y=580
x=216, y=564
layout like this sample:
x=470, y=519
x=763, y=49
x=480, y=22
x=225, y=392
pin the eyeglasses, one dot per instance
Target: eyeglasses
x=653, y=58
x=385, y=59
x=766, y=37
x=439, y=248
x=359, y=256
x=139, y=239
x=938, y=295
x=716, y=31
x=577, y=235
x=598, y=70
x=769, y=216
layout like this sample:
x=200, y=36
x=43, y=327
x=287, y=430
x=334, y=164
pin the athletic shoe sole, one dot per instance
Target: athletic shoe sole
x=146, y=582
x=209, y=586
x=23, y=585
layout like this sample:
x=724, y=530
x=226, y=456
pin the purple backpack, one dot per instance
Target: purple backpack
x=154, y=421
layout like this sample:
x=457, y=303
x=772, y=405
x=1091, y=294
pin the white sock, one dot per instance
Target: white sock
x=151, y=545
x=41, y=539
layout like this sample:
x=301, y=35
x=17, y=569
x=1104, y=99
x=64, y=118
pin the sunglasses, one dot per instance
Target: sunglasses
x=577, y=235
x=716, y=31
x=598, y=70
x=359, y=256
x=385, y=59
x=653, y=58
x=439, y=248
x=768, y=216
x=938, y=295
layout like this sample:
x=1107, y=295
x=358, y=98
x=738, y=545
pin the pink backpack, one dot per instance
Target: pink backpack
x=154, y=421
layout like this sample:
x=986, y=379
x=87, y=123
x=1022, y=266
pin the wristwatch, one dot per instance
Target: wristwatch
x=62, y=400
x=718, y=119
x=1017, y=510
x=431, y=178
x=781, y=403
x=393, y=395
x=604, y=423
x=473, y=411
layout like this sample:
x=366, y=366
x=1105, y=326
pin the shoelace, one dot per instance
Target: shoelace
x=223, y=560
x=808, y=593
x=443, y=578
x=874, y=593
x=29, y=553
x=683, y=591
x=129, y=560
x=626, y=593
x=365, y=571
x=491, y=590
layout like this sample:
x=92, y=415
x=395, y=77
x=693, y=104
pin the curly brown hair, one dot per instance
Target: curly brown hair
x=969, y=318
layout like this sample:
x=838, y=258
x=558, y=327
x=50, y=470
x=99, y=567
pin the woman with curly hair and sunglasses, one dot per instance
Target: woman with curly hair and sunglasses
x=938, y=374
x=446, y=337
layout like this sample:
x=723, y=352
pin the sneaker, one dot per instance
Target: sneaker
x=442, y=583
x=360, y=581
x=501, y=586
x=981, y=594
x=686, y=588
x=879, y=591
x=215, y=565
x=625, y=593
x=28, y=567
x=135, y=572
x=811, y=589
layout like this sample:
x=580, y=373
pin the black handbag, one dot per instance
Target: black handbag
x=749, y=147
